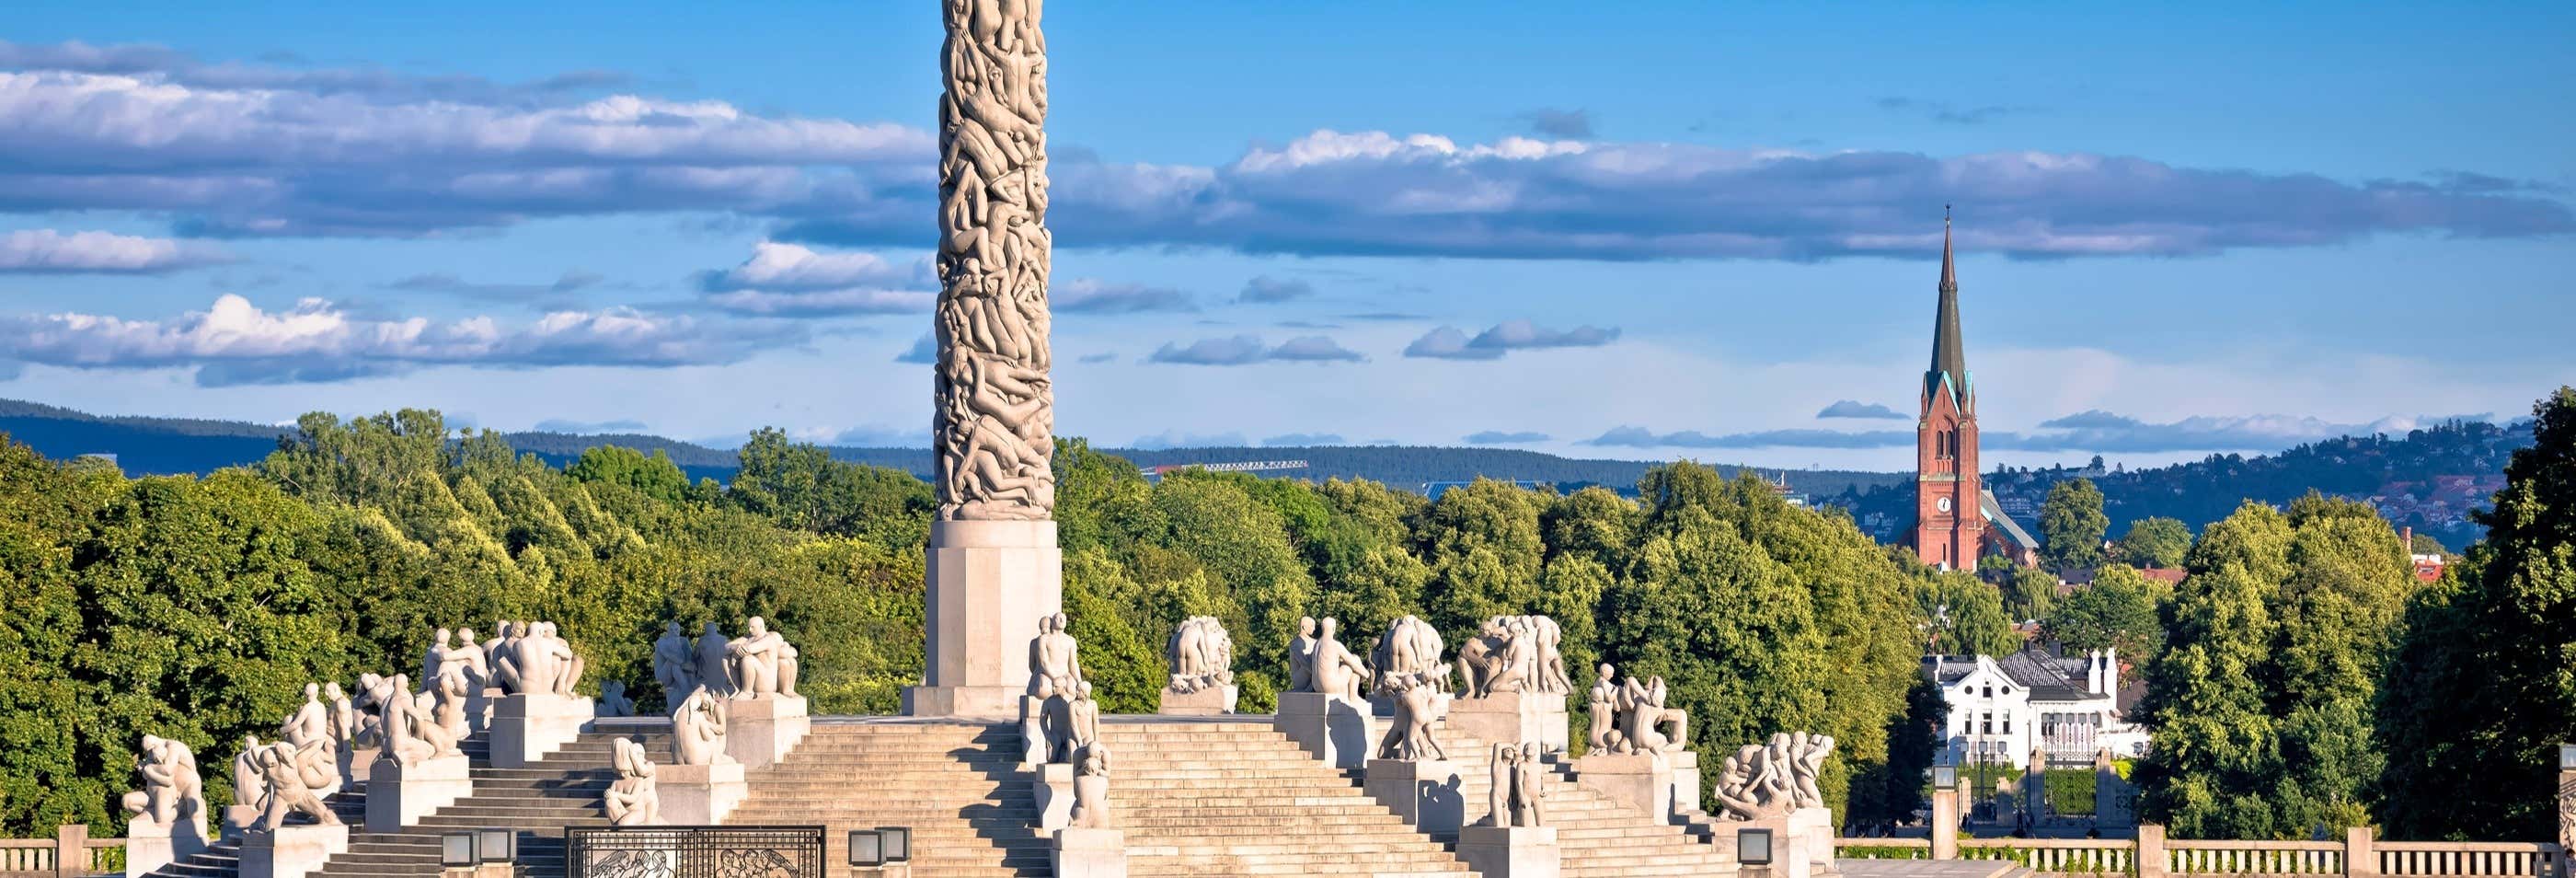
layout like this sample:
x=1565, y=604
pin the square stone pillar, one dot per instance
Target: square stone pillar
x=1051, y=787
x=699, y=795
x=1211, y=701
x=1513, y=717
x=989, y=583
x=1511, y=851
x=760, y=731
x=150, y=846
x=2360, y=852
x=1340, y=731
x=1638, y=781
x=1430, y=794
x=398, y=796
x=71, y=851
x=1945, y=827
x=1685, y=766
x=291, y=851
x=1089, y=853
x=2151, y=852
x=527, y=726
x=1811, y=838
x=356, y=763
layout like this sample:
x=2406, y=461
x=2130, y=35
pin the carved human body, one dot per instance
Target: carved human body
x=1055, y=662
x=287, y=790
x=441, y=658
x=1605, y=700
x=1335, y=671
x=1770, y=779
x=675, y=664
x=247, y=779
x=763, y=663
x=1409, y=737
x=1301, y=657
x=1091, y=789
x=613, y=700
x=632, y=800
x=308, y=736
x=1201, y=655
x=698, y=729
x=714, y=671
x=477, y=665
x=1082, y=725
x=1411, y=648
x=1528, y=796
x=172, y=790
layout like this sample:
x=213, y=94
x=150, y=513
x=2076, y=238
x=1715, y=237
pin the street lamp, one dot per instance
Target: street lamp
x=1945, y=776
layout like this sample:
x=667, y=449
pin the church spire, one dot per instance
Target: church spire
x=1949, y=353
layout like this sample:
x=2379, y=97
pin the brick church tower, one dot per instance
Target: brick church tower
x=1949, y=528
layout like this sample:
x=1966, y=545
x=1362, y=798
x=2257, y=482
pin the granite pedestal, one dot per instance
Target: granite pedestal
x=1802, y=843
x=150, y=846
x=1339, y=731
x=761, y=731
x=1430, y=794
x=989, y=583
x=699, y=795
x=1514, y=717
x=398, y=795
x=1685, y=782
x=356, y=763
x=1210, y=701
x=1511, y=851
x=1089, y=853
x=238, y=818
x=1639, y=781
x=528, y=726
x=1051, y=787
x=291, y=851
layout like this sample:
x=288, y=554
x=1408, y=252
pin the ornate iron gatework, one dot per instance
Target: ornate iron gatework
x=694, y=852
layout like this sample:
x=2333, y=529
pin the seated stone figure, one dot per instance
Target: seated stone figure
x=675, y=664
x=698, y=729
x=632, y=800
x=613, y=700
x=763, y=663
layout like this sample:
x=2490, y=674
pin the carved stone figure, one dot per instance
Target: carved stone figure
x=1605, y=700
x=632, y=799
x=1768, y=780
x=427, y=727
x=1301, y=657
x=308, y=738
x=172, y=791
x=1529, y=797
x=1501, y=774
x=1201, y=655
x=1409, y=737
x=477, y=664
x=568, y=665
x=395, y=726
x=714, y=672
x=698, y=729
x=1082, y=725
x=1091, y=789
x=613, y=700
x=1807, y=762
x=286, y=790
x=1334, y=670
x=763, y=663
x=675, y=664
x=441, y=659
x=343, y=716
x=1513, y=654
x=374, y=692
x=247, y=780
x=1411, y=648
x=497, y=648
x=447, y=704
x=1645, y=724
x=1055, y=663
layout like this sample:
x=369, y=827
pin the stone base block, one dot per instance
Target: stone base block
x=761, y=731
x=150, y=846
x=1685, y=765
x=1802, y=842
x=398, y=796
x=1811, y=831
x=238, y=819
x=988, y=584
x=1210, y=701
x=291, y=851
x=478, y=708
x=1639, y=781
x=1429, y=794
x=1339, y=731
x=1511, y=851
x=1089, y=853
x=699, y=795
x=1051, y=785
x=1515, y=717
x=526, y=727
x=356, y=763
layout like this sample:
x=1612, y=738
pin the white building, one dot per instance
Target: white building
x=2002, y=709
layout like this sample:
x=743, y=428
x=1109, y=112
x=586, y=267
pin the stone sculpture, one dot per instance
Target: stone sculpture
x=675, y=663
x=498, y=647
x=1513, y=654
x=1201, y=655
x=1333, y=670
x=441, y=660
x=715, y=673
x=441, y=733
x=698, y=729
x=247, y=780
x=476, y=663
x=1639, y=721
x=1768, y=780
x=1091, y=789
x=1605, y=700
x=613, y=700
x=308, y=738
x=1301, y=657
x=1410, y=648
x=537, y=662
x=373, y=692
x=286, y=789
x=172, y=790
x=447, y=704
x=763, y=663
x=632, y=799
x=1082, y=726
x=411, y=733
x=343, y=716
x=1055, y=662
x=1516, y=797
x=1409, y=737
x=1500, y=775
x=995, y=405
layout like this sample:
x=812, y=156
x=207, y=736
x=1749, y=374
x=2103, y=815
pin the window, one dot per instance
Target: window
x=2007, y=723
x=1990, y=690
x=1989, y=726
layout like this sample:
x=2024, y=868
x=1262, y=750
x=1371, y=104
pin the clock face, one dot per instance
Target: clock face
x=1943, y=504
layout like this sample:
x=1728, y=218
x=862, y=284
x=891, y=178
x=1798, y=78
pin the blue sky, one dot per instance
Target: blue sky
x=1650, y=230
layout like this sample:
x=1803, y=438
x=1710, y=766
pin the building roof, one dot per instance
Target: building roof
x=1994, y=512
x=2043, y=676
x=1949, y=352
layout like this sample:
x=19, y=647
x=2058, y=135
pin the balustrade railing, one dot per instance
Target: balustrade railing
x=2198, y=857
x=71, y=852
x=2392, y=859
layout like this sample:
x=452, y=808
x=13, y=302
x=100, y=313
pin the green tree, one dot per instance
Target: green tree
x=2216, y=747
x=1482, y=545
x=45, y=512
x=2028, y=592
x=2118, y=611
x=2155, y=542
x=2071, y=525
x=656, y=476
x=1967, y=615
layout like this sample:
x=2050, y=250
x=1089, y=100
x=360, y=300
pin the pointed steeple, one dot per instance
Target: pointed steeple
x=1949, y=353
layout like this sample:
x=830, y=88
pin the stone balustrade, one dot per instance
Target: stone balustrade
x=2357, y=856
x=70, y=852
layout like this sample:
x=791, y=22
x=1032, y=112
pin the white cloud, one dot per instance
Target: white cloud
x=46, y=251
x=1446, y=342
x=1090, y=296
x=791, y=280
x=1245, y=350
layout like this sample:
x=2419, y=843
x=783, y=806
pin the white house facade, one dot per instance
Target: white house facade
x=2001, y=710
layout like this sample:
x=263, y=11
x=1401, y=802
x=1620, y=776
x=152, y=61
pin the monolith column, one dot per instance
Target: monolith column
x=994, y=569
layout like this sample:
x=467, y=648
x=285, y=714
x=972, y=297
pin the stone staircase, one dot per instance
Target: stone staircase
x=223, y=858
x=1206, y=796
x=1599, y=837
x=954, y=783
x=562, y=790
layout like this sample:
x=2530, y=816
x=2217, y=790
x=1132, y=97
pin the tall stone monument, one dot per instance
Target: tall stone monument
x=994, y=568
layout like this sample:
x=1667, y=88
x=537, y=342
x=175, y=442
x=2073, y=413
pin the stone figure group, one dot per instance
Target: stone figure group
x=408, y=726
x=1410, y=648
x=286, y=783
x=1767, y=780
x=1059, y=720
x=1512, y=654
x=994, y=422
x=367, y=709
x=632, y=800
x=1201, y=655
x=1091, y=789
x=1320, y=663
x=1516, y=797
x=1409, y=737
x=173, y=792
x=530, y=658
x=314, y=750
x=1631, y=717
x=468, y=662
x=613, y=700
x=698, y=729
x=758, y=664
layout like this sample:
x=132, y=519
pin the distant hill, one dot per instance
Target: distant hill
x=171, y=445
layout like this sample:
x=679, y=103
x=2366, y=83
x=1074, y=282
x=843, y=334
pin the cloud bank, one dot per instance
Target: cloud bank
x=1245, y=350
x=1446, y=342
x=1846, y=408
x=46, y=251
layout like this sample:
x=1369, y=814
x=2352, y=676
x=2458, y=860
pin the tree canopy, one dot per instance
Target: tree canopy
x=2071, y=525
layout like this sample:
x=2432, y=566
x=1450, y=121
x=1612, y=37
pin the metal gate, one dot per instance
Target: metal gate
x=694, y=852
